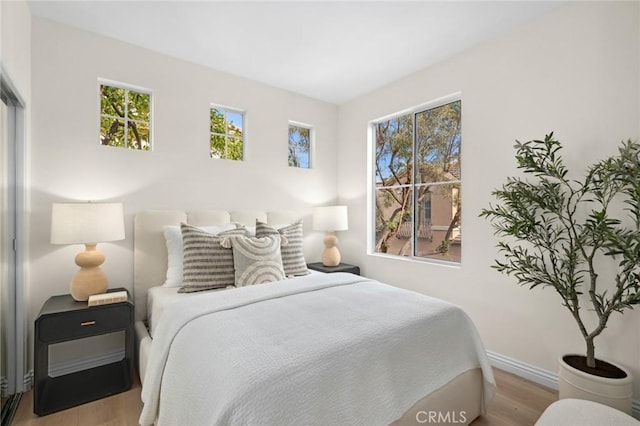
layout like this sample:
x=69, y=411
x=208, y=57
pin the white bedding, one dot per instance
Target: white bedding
x=321, y=349
x=159, y=297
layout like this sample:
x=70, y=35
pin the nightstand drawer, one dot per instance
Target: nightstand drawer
x=85, y=323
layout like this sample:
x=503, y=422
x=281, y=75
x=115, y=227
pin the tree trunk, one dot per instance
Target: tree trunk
x=454, y=222
x=591, y=353
x=405, y=247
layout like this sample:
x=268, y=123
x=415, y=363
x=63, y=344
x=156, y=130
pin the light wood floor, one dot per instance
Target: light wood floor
x=517, y=402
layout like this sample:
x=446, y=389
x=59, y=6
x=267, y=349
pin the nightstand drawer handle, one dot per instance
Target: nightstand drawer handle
x=83, y=324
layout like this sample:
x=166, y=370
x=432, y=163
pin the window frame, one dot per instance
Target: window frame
x=312, y=140
x=228, y=109
x=126, y=87
x=372, y=188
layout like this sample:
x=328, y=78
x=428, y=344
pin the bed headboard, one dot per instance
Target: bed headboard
x=150, y=250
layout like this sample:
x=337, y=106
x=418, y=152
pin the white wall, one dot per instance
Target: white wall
x=15, y=50
x=575, y=71
x=69, y=164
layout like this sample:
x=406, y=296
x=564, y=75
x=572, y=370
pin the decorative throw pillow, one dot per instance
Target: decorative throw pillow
x=173, y=239
x=207, y=265
x=293, y=259
x=256, y=260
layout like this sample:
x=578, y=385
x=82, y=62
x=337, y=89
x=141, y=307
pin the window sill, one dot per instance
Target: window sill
x=445, y=263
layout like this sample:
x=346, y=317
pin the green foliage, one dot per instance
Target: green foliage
x=299, y=146
x=125, y=117
x=554, y=229
x=227, y=139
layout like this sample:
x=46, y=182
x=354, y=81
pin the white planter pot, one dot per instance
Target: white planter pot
x=574, y=383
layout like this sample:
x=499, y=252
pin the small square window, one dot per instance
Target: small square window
x=300, y=146
x=226, y=127
x=125, y=117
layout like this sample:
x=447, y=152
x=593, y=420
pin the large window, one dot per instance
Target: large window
x=300, y=145
x=417, y=183
x=125, y=117
x=226, y=133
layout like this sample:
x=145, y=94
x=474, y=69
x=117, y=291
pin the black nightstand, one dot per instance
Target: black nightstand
x=62, y=319
x=343, y=267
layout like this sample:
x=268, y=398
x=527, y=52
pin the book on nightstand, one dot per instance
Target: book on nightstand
x=106, y=298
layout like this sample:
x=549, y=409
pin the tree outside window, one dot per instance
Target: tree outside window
x=299, y=146
x=125, y=117
x=226, y=134
x=417, y=184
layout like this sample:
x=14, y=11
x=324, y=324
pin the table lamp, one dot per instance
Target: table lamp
x=330, y=219
x=88, y=224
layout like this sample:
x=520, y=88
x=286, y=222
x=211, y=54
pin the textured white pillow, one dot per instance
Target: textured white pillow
x=173, y=239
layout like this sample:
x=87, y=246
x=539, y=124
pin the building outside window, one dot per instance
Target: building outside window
x=227, y=133
x=417, y=208
x=426, y=209
x=125, y=116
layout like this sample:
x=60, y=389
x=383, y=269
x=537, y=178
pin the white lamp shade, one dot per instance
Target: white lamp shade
x=81, y=223
x=330, y=218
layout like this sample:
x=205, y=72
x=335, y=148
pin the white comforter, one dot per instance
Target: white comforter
x=329, y=349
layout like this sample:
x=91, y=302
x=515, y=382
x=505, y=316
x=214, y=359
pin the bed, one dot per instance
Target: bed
x=313, y=349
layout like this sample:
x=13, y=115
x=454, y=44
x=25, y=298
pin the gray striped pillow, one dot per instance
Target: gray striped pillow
x=206, y=264
x=293, y=259
x=256, y=260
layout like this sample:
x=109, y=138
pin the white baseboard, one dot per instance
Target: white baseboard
x=519, y=368
x=537, y=375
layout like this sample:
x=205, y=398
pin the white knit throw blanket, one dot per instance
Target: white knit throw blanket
x=325, y=349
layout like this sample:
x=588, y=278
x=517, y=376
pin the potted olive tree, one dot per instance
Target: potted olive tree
x=580, y=238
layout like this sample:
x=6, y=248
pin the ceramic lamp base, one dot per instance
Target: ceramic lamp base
x=331, y=254
x=90, y=279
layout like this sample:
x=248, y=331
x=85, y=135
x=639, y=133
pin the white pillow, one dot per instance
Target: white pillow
x=173, y=238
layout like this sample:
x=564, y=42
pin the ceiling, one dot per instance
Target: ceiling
x=332, y=50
